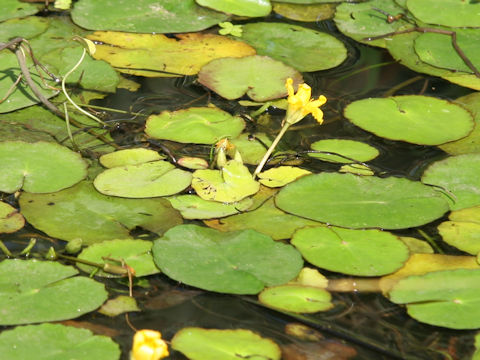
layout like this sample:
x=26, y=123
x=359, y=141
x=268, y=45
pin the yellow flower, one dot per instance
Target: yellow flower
x=148, y=345
x=301, y=103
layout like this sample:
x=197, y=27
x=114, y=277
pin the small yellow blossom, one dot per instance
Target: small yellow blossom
x=301, y=103
x=148, y=345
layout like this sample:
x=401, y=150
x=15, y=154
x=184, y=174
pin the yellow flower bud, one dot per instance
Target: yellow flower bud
x=148, y=345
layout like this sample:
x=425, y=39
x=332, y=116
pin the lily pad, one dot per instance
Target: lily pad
x=27, y=27
x=458, y=175
x=129, y=157
x=213, y=344
x=448, y=298
x=147, y=16
x=16, y=9
x=56, y=341
x=437, y=49
x=194, y=207
x=305, y=12
x=39, y=167
x=362, y=201
x=50, y=292
x=230, y=184
x=155, y=55
x=401, y=47
x=360, y=20
x=353, y=252
x=411, y=118
x=152, y=179
x=419, y=264
x=240, y=262
x=463, y=230
x=91, y=74
x=250, y=8
x=351, y=150
x=80, y=211
x=281, y=176
x=260, y=77
x=119, y=305
x=10, y=219
x=470, y=143
x=302, y=48
x=135, y=253
x=251, y=148
x=199, y=125
x=267, y=219
x=296, y=298
x=39, y=120
x=454, y=13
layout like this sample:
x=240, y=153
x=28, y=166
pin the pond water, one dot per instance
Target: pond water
x=362, y=324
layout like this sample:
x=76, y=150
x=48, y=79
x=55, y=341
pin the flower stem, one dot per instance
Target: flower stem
x=270, y=149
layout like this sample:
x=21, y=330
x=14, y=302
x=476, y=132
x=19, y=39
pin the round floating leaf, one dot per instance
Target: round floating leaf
x=413, y=118
x=79, y=212
x=251, y=8
x=135, y=253
x=16, y=9
x=267, y=219
x=443, y=298
x=50, y=292
x=463, y=230
x=281, y=176
x=27, y=27
x=240, y=262
x=454, y=13
x=362, y=201
x=152, y=179
x=39, y=167
x=300, y=12
x=10, y=219
x=353, y=252
x=120, y=305
x=437, y=49
x=301, y=48
x=212, y=344
x=252, y=148
x=194, y=207
x=192, y=163
x=296, y=298
x=230, y=184
x=360, y=20
x=155, y=55
x=357, y=169
x=351, y=150
x=260, y=77
x=401, y=47
x=308, y=1
x=201, y=125
x=470, y=143
x=419, y=264
x=147, y=16
x=129, y=157
x=417, y=246
x=56, y=341
x=458, y=175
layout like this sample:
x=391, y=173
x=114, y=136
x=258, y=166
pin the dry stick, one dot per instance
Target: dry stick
x=452, y=34
x=26, y=74
x=12, y=89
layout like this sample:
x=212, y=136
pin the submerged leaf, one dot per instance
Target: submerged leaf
x=80, y=211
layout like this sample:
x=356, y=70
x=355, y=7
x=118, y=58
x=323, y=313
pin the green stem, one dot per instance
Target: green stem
x=70, y=99
x=5, y=250
x=270, y=149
